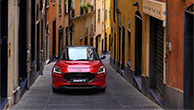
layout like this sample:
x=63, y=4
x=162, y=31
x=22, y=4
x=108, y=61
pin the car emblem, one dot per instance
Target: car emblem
x=79, y=70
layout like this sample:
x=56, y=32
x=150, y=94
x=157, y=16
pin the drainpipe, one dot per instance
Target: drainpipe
x=167, y=40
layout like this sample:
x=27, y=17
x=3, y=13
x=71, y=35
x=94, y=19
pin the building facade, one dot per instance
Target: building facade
x=56, y=14
x=82, y=25
x=150, y=51
x=21, y=46
x=100, y=27
x=107, y=26
x=180, y=87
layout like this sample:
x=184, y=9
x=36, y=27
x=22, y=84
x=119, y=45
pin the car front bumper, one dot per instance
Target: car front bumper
x=58, y=82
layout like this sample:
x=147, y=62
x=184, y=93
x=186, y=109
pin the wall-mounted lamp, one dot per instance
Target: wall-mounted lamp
x=136, y=4
x=118, y=10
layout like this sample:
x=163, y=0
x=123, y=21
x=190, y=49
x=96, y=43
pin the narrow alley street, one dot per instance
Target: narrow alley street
x=119, y=95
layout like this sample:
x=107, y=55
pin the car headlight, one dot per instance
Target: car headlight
x=57, y=70
x=101, y=70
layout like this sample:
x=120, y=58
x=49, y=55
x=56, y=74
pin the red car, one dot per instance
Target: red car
x=79, y=67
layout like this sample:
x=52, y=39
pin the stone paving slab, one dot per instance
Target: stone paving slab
x=119, y=95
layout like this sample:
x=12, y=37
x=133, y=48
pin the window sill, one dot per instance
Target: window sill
x=60, y=14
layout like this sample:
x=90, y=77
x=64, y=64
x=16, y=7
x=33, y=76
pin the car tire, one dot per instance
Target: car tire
x=103, y=90
x=54, y=90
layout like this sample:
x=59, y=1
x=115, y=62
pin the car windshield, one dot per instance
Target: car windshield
x=79, y=54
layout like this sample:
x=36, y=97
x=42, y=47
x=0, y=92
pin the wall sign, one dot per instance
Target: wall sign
x=155, y=8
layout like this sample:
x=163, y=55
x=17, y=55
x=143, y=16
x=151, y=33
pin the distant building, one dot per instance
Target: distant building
x=107, y=26
x=100, y=27
x=82, y=25
x=57, y=18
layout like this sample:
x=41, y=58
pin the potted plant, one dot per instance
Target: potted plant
x=81, y=9
x=86, y=8
x=90, y=5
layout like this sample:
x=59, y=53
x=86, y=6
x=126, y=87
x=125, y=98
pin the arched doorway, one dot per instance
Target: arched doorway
x=138, y=44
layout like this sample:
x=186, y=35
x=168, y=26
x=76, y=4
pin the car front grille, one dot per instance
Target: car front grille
x=89, y=76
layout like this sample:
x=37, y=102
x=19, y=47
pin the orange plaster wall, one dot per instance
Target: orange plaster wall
x=176, y=38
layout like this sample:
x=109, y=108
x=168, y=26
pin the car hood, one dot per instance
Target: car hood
x=79, y=64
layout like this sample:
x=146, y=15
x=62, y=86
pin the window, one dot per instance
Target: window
x=91, y=2
x=86, y=1
x=106, y=14
x=47, y=3
x=98, y=15
x=114, y=4
x=86, y=26
x=72, y=4
x=65, y=6
x=109, y=13
x=53, y=2
x=81, y=2
x=60, y=11
x=91, y=22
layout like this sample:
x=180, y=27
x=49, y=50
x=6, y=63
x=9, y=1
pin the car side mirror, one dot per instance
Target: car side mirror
x=103, y=57
x=56, y=57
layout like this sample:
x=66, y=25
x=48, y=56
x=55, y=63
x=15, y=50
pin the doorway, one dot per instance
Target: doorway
x=105, y=43
x=102, y=45
x=60, y=40
x=91, y=41
x=156, y=55
x=38, y=48
x=138, y=44
x=188, y=58
x=32, y=33
x=66, y=44
x=86, y=40
x=47, y=42
x=22, y=45
x=115, y=48
x=97, y=44
x=109, y=41
x=123, y=48
x=54, y=38
x=119, y=49
x=3, y=49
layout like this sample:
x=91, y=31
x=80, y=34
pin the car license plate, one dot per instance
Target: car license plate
x=79, y=80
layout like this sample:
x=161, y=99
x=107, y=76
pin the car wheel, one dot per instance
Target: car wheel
x=103, y=90
x=54, y=90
